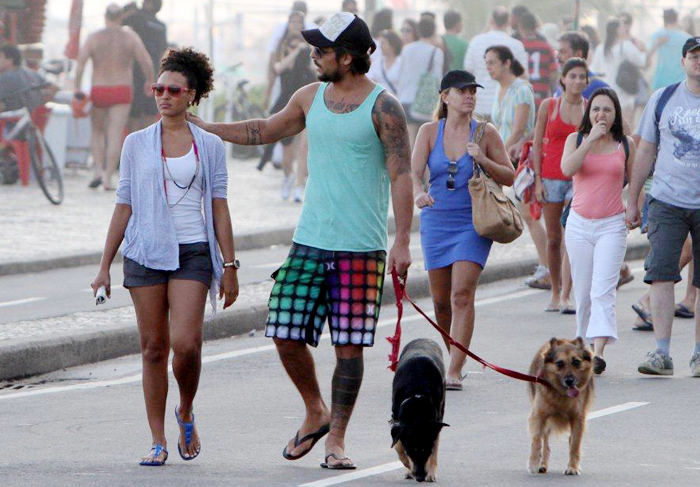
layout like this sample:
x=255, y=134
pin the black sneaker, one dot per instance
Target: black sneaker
x=95, y=183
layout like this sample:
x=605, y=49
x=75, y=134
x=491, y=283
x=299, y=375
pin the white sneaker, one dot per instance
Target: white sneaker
x=540, y=273
x=298, y=194
x=287, y=184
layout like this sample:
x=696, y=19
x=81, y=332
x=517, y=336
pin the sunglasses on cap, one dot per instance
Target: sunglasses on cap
x=159, y=89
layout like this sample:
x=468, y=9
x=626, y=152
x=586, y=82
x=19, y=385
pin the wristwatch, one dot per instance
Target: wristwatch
x=236, y=264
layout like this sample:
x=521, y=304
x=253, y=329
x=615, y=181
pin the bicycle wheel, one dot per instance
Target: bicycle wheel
x=46, y=170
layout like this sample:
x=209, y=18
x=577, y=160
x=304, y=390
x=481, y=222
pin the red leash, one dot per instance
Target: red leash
x=400, y=290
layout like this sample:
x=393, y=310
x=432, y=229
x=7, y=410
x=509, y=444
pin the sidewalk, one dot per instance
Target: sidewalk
x=37, y=235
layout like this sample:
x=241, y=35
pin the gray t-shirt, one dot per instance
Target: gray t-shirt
x=677, y=172
x=16, y=80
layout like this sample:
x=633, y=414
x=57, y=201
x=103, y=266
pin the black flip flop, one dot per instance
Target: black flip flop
x=317, y=435
x=340, y=466
x=646, y=318
x=683, y=312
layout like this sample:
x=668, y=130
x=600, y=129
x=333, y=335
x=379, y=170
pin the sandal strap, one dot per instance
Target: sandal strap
x=189, y=426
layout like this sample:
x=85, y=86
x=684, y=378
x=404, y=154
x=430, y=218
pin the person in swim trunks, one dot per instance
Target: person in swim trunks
x=113, y=51
x=358, y=153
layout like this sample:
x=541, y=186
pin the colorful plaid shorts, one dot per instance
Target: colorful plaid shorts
x=315, y=284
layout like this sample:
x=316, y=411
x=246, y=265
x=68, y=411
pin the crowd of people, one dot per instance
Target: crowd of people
x=409, y=122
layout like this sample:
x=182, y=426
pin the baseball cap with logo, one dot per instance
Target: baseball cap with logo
x=342, y=29
x=690, y=45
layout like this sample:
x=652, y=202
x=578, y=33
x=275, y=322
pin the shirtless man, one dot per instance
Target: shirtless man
x=113, y=51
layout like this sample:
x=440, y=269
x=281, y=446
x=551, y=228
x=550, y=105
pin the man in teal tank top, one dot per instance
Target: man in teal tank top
x=359, y=156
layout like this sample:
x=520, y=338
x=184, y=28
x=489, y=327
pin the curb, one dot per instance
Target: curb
x=249, y=241
x=23, y=358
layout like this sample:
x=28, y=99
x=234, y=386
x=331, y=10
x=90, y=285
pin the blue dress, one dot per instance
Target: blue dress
x=446, y=229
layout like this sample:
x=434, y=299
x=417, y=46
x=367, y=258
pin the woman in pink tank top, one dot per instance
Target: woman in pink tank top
x=596, y=236
x=556, y=119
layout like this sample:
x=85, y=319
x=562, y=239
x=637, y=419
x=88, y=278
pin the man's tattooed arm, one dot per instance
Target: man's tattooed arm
x=390, y=122
x=291, y=120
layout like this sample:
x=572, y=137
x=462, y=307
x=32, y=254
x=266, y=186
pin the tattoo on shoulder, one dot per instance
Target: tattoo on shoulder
x=391, y=126
x=254, y=137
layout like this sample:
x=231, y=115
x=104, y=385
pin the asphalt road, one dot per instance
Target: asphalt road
x=62, y=291
x=86, y=426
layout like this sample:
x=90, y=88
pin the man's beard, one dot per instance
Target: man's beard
x=331, y=77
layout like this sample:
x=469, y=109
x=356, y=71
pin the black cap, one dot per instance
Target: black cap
x=458, y=78
x=342, y=29
x=690, y=45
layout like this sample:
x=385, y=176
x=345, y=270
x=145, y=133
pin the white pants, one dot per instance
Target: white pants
x=596, y=251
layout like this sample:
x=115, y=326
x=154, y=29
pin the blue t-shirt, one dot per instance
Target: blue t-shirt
x=668, y=59
x=593, y=85
x=677, y=170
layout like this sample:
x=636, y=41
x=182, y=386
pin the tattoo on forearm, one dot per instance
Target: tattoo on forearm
x=347, y=380
x=253, y=131
x=393, y=134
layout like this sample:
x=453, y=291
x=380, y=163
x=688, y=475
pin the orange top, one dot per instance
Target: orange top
x=598, y=185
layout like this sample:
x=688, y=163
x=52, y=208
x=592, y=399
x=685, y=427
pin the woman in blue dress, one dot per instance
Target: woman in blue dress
x=454, y=253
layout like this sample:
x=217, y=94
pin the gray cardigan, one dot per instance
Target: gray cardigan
x=150, y=236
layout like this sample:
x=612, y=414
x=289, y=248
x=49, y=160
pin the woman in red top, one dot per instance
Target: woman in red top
x=556, y=119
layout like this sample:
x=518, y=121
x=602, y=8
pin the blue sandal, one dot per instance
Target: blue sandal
x=189, y=428
x=155, y=452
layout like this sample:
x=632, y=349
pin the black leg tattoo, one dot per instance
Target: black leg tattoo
x=347, y=379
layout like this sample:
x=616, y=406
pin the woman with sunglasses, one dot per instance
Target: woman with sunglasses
x=454, y=253
x=173, y=216
x=597, y=157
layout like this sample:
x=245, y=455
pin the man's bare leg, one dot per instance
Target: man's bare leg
x=118, y=115
x=347, y=380
x=98, y=122
x=299, y=364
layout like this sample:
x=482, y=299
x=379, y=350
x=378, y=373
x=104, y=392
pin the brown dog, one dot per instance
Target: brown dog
x=567, y=366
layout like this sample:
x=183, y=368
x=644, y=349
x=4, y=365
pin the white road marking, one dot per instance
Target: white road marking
x=17, y=302
x=389, y=467
x=616, y=409
x=360, y=474
x=235, y=353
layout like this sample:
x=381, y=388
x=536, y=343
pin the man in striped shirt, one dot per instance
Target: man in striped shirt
x=542, y=66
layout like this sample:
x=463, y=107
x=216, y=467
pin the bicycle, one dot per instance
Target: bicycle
x=21, y=127
x=239, y=107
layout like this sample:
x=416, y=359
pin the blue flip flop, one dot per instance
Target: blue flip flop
x=189, y=428
x=156, y=450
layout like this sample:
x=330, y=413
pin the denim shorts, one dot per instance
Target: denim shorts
x=195, y=265
x=669, y=227
x=558, y=190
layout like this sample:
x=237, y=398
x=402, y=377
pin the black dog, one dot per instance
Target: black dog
x=418, y=405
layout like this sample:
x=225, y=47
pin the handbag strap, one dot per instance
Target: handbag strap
x=478, y=135
x=432, y=57
x=386, y=78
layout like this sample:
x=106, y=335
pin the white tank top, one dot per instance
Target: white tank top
x=185, y=206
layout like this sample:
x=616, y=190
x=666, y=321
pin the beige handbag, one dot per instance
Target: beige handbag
x=493, y=214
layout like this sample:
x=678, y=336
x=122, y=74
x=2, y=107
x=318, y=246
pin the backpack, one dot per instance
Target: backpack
x=628, y=76
x=658, y=110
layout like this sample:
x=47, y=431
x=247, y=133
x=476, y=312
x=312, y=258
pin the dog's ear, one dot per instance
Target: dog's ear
x=550, y=353
x=396, y=430
x=578, y=342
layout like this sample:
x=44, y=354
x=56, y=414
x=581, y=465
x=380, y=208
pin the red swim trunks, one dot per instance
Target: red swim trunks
x=108, y=96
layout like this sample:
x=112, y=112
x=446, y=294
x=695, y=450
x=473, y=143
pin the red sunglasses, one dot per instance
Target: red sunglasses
x=159, y=89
